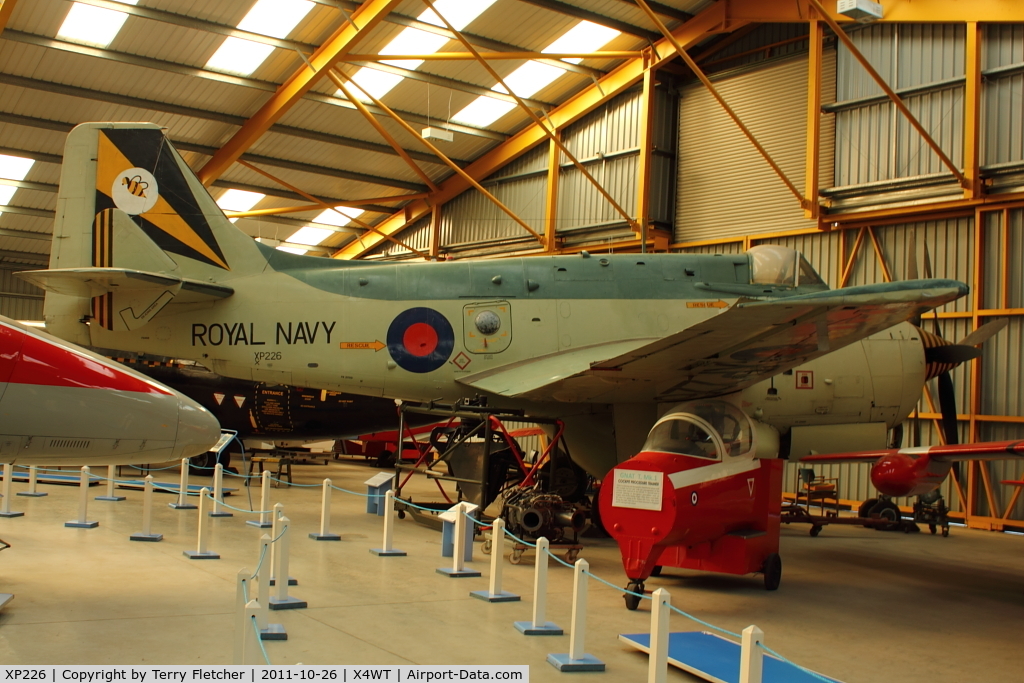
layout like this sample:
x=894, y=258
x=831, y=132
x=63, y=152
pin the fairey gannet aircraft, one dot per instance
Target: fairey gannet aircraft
x=143, y=260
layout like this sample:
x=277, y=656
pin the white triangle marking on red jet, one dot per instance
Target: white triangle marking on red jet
x=219, y=398
x=239, y=400
x=750, y=486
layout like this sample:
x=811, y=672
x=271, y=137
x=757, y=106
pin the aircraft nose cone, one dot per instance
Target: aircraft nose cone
x=198, y=429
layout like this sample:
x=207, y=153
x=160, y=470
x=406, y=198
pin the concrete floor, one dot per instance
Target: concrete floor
x=856, y=604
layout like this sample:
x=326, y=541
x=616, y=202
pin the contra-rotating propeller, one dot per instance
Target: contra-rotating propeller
x=942, y=355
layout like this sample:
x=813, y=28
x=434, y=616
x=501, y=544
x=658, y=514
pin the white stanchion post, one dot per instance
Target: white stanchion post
x=282, y=600
x=241, y=620
x=201, y=553
x=325, y=516
x=275, y=533
x=251, y=650
x=33, y=477
x=182, y=503
x=83, y=504
x=264, y=521
x=657, y=668
x=5, y=509
x=147, y=514
x=458, y=569
x=495, y=594
x=110, y=486
x=539, y=627
x=268, y=631
x=577, y=658
x=218, y=493
x=751, y=657
x=389, y=529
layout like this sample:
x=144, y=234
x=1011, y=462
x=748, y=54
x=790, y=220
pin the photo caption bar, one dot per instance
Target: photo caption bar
x=257, y=674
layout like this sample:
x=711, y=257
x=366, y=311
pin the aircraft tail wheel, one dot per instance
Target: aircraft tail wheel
x=772, y=570
x=633, y=601
x=401, y=514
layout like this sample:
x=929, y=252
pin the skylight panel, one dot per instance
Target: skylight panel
x=274, y=18
x=310, y=235
x=93, y=25
x=239, y=200
x=239, y=56
x=532, y=77
x=585, y=36
x=6, y=194
x=483, y=111
x=12, y=168
x=338, y=217
x=413, y=41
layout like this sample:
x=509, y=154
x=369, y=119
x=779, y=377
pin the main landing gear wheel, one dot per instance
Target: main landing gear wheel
x=864, y=510
x=633, y=601
x=889, y=511
x=772, y=570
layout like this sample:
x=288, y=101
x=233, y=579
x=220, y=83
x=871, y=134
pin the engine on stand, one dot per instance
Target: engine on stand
x=532, y=513
x=541, y=494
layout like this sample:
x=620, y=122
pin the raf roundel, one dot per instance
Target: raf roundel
x=420, y=340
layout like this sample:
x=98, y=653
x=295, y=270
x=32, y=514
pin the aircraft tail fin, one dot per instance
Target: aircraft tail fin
x=129, y=201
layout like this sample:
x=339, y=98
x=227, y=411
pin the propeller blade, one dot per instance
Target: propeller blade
x=953, y=353
x=984, y=333
x=947, y=404
x=912, y=255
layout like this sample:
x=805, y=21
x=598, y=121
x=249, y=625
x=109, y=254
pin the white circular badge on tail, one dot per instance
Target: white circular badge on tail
x=134, y=191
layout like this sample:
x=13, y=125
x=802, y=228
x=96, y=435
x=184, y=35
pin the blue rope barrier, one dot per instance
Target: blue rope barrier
x=259, y=640
x=520, y=540
x=789, y=661
x=279, y=481
x=250, y=512
x=418, y=507
x=259, y=564
x=154, y=469
x=704, y=623
x=357, y=493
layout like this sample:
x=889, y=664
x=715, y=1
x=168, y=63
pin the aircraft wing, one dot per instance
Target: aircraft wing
x=992, y=450
x=746, y=343
x=90, y=282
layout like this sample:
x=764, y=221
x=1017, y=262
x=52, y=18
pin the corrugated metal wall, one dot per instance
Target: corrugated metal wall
x=924, y=63
x=606, y=142
x=29, y=306
x=1003, y=93
x=725, y=188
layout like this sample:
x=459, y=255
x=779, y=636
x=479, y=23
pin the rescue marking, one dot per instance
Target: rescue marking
x=376, y=345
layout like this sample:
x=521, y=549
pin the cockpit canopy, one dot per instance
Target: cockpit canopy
x=703, y=429
x=772, y=264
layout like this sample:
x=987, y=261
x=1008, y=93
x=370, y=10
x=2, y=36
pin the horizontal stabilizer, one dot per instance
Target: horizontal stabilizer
x=744, y=344
x=91, y=282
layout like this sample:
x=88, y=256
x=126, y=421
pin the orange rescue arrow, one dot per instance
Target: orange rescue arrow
x=375, y=345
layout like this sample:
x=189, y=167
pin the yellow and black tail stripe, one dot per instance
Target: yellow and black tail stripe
x=103, y=257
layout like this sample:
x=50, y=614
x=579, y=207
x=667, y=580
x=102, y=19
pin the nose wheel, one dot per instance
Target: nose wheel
x=633, y=601
x=772, y=570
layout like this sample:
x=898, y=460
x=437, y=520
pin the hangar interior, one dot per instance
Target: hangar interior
x=259, y=106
